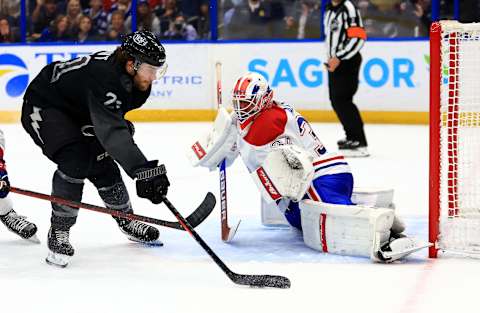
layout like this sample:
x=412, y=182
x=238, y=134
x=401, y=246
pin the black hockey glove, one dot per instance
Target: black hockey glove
x=152, y=182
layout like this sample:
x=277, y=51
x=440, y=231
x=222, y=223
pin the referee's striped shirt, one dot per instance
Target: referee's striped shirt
x=344, y=32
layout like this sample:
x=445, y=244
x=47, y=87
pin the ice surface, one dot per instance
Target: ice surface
x=111, y=274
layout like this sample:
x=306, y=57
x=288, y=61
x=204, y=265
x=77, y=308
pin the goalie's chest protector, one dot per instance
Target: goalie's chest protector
x=273, y=127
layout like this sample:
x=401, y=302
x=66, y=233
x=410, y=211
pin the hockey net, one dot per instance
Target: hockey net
x=455, y=138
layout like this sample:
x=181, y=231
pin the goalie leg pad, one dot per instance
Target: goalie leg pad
x=5, y=205
x=379, y=198
x=345, y=229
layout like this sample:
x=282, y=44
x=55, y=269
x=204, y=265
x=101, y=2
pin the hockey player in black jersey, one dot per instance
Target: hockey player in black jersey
x=74, y=111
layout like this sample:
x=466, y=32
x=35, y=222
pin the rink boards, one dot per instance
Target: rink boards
x=393, y=78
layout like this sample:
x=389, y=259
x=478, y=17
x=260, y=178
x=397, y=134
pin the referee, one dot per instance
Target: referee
x=345, y=37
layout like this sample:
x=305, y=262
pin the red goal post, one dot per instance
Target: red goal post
x=454, y=218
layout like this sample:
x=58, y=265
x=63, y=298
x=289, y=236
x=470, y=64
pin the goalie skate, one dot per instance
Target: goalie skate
x=60, y=248
x=19, y=225
x=399, y=248
x=139, y=232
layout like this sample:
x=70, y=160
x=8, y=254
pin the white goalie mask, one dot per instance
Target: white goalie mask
x=250, y=95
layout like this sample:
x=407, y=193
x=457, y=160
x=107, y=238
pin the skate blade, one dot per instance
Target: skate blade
x=392, y=256
x=57, y=259
x=154, y=243
x=357, y=153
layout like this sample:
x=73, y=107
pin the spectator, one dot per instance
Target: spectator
x=202, y=22
x=6, y=33
x=59, y=31
x=189, y=8
x=247, y=20
x=117, y=27
x=146, y=20
x=291, y=28
x=276, y=17
x=98, y=15
x=124, y=6
x=309, y=21
x=85, y=31
x=180, y=30
x=42, y=16
x=167, y=13
x=11, y=10
x=74, y=13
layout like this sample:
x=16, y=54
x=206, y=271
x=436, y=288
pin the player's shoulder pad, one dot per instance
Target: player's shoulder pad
x=269, y=124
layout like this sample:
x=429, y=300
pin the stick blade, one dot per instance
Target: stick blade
x=229, y=233
x=200, y=213
x=262, y=281
x=203, y=210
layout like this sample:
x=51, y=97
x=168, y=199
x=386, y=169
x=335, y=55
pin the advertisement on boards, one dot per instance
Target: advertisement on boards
x=186, y=85
x=393, y=76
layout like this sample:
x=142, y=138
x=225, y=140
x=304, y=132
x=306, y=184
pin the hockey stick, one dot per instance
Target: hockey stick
x=240, y=279
x=227, y=232
x=195, y=219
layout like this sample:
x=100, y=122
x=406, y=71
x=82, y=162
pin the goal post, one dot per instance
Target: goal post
x=454, y=192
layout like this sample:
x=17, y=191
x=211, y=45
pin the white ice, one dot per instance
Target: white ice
x=110, y=274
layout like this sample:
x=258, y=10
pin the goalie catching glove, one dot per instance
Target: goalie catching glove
x=220, y=143
x=152, y=182
x=287, y=172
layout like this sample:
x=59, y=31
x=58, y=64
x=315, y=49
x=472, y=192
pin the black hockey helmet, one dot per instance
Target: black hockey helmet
x=144, y=47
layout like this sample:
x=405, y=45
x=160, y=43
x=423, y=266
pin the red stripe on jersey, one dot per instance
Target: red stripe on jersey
x=323, y=219
x=1, y=153
x=312, y=194
x=327, y=160
x=267, y=126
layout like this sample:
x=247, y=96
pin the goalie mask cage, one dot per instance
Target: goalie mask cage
x=454, y=221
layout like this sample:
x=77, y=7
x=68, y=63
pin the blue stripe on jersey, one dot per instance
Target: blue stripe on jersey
x=330, y=165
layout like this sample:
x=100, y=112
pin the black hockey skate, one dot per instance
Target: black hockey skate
x=139, y=232
x=352, y=148
x=60, y=248
x=20, y=226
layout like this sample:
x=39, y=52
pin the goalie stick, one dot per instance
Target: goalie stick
x=195, y=219
x=227, y=232
x=273, y=281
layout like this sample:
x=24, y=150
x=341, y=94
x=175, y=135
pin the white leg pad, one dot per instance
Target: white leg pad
x=345, y=229
x=5, y=205
x=380, y=198
x=272, y=216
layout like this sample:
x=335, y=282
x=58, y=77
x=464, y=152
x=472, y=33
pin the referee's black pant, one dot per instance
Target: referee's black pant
x=342, y=86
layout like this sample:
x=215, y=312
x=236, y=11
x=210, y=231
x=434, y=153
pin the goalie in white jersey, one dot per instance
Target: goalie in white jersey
x=291, y=167
x=14, y=222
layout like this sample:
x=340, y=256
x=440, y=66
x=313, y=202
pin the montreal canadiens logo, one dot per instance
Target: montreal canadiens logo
x=13, y=75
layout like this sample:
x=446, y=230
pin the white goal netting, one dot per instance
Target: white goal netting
x=459, y=132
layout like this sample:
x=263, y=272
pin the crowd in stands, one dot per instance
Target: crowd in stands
x=107, y=20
